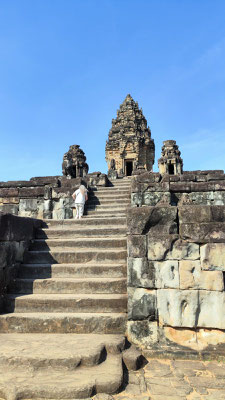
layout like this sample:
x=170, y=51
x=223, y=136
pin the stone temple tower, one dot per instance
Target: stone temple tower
x=129, y=145
x=170, y=162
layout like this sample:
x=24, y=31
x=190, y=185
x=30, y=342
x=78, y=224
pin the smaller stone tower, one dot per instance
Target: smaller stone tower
x=170, y=162
x=74, y=163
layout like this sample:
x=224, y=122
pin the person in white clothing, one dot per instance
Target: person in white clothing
x=80, y=196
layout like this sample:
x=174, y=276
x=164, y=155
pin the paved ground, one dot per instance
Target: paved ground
x=176, y=380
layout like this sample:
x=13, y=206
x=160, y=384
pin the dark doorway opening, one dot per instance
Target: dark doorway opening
x=129, y=168
x=171, y=169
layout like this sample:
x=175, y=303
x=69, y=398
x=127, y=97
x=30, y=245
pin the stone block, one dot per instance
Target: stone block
x=192, y=277
x=142, y=333
x=183, y=187
x=136, y=199
x=47, y=193
x=203, y=233
x=183, y=250
x=211, y=309
x=9, y=208
x=32, y=192
x=219, y=198
x=141, y=273
x=9, y=192
x=132, y=358
x=141, y=304
x=47, y=205
x=15, y=228
x=178, y=308
x=158, y=247
x=136, y=245
x=153, y=198
x=9, y=200
x=166, y=274
x=28, y=205
x=155, y=220
x=201, y=198
x=194, y=214
x=213, y=256
x=58, y=214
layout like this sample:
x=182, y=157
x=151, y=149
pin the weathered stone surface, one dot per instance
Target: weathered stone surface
x=143, y=333
x=170, y=161
x=153, y=198
x=158, y=247
x=213, y=256
x=177, y=308
x=211, y=309
x=196, y=339
x=17, y=228
x=141, y=273
x=74, y=163
x=136, y=245
x=183, y=250
x=192, y=277
x=132, y=358
x=9, y=192
x=141, y=304
x=9, y=200
x=166, y=274
x=194, y=214
x=32, y=192
x=9, y=208
x=155, y=220
x=203, y=232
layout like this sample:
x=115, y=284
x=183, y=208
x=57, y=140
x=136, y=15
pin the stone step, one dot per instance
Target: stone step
x=108, y=201
x=82, y=383
x=110, y=190
x=97, y=214
x=102, y=323
x=59, y=351
x=106, y=207
x=69, y=285
x=80, y=232
x=80, y=243
x=79, y=256
x=89, y=270
x=108, y=211
x=84, y=303
x=65, y=223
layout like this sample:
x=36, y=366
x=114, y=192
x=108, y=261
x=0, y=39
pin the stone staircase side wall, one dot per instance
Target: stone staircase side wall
x=45, y=197
x=15, y=235
x=176, y=268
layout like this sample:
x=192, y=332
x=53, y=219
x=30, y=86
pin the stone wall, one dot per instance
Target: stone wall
x=15, y=234
x=45, y=197
x=176, y=261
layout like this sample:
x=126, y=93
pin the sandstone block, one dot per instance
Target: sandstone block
x=158, y=247
x=213, y=256
x=166, y=274
x=211, y=309
x=141, y=304
x=17, y=228
x=192, y=277
x=202, y=233
x=177, y=308
x=142, y=333
x=132, y=358
x=136, y=245
x=136, y=199
x=9, y=200
x=140, y=273
x=9, y=208
x=155, y=220
x=183, y=250
x=153, y=198
x=32, y=192
x=194, y=214
x=9, y=192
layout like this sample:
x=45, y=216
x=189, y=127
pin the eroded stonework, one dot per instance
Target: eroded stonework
x=170, y=161
x=129, y=145
x=74, y=163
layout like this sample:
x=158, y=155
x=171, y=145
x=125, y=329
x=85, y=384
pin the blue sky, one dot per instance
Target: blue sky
x=67, y=65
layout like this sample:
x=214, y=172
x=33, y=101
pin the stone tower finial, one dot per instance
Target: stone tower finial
x=170, y=162
x=129, y=144
x=74, y=163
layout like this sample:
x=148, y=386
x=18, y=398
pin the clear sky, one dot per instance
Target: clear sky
x=67, y=65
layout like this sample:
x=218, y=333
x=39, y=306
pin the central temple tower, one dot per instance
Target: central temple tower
x=129, y=145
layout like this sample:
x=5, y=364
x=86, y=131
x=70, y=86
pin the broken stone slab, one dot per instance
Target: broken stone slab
x=132, y=358
x=136, y=245
x=143, y=333
x=141, y=304
x=213, y=256
x=158, y=247
x=192, y=277
x=166, y=274
x=183, y=250
x=177, y=308
x=155, y=220
x=141, y=273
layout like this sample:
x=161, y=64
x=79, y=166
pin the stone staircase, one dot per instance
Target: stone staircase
x=66, y=311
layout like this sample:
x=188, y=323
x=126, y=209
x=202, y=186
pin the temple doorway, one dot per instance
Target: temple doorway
x=128, y=167
x=171, y=169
